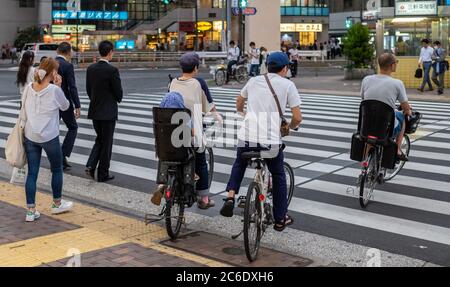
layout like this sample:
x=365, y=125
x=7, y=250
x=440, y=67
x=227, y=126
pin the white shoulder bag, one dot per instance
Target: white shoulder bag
x=15, y=144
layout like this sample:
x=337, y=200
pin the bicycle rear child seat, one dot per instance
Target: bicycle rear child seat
x=376, y=122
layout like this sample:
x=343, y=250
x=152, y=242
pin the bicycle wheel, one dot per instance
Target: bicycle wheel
x=241, y=74
x=210, y=161
x=220, y=77
x=290, y=182
x=253, y=214
x=368, y=181
x=174, y=212
x=405, y=147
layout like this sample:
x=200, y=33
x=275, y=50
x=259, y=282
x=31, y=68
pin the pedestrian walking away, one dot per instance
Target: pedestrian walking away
x=69, y=117
x=104, y=89
x=425, y=60
x=42, y=102
x=439, y=66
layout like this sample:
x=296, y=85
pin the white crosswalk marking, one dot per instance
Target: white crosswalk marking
x=415, y=205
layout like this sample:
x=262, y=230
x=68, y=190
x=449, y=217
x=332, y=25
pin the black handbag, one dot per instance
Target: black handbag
x=419, y=73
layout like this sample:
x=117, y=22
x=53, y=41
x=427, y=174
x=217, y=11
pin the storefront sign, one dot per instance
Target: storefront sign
x=217, y=26
x=303, y=27
x=415, y=8
x=66, y=29
x=204, y=26
x=91, y=15
x=186, y=26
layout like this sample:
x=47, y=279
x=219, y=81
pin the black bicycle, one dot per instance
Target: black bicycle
x=374, y=146
x=178, y=174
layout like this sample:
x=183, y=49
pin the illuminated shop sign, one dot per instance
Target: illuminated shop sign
x=62, y=29
x=313, y=27
x=125, y=45
x=415, y=8
x=90, y=15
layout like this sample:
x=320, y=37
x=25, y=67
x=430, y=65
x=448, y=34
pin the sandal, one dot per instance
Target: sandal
x=402, y=157
x=280, y=226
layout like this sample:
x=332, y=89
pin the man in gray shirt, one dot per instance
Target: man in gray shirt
x=384, y=88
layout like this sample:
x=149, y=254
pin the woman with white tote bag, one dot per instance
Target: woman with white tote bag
x=41, y=105
x=25, y=76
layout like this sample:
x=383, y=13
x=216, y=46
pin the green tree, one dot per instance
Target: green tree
x=27, y=35
x=357, y=46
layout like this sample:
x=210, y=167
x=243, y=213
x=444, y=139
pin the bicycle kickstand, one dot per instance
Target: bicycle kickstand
x=237, y=235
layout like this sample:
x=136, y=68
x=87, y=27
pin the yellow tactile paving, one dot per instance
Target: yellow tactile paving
x=31, y=252
x=100, y=229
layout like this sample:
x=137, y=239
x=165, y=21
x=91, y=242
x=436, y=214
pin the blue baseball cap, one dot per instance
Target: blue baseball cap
x=190, y=60
x=278, y=59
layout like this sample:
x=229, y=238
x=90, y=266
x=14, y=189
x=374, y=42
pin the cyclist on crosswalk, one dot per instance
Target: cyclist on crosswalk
x=261, y=130
x=383, y=87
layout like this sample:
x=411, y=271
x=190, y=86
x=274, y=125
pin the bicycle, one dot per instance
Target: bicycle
x=377, y=162
x=180, y=190
x=257, y=203
x=239, y=73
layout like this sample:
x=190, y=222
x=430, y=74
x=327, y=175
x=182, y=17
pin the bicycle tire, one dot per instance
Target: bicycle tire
x=291, y=185
x=220, y=77
x=210, y=160
x=241, y=74
x=173, y=227
x=252, y=245
x=366, y=177
x=400, y=166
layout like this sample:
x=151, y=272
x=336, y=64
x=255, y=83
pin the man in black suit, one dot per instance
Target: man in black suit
x=104, y=88
x=69, y=87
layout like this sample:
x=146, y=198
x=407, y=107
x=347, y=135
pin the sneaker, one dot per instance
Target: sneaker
x=63, y=207
x=157, y=195
x=32, y=216
x=228, y=206
x=203, y=205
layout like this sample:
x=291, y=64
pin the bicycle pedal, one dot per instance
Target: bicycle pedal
x=241, y=201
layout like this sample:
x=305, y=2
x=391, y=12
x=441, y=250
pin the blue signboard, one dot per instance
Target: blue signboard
x=125, y=45
x=90, y=15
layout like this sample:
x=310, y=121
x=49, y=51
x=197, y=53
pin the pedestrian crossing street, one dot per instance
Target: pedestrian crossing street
x=410, y=215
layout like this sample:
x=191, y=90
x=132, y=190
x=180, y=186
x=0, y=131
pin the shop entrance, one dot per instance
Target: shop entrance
x=307, y=38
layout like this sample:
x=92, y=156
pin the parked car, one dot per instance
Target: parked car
x=41, y=50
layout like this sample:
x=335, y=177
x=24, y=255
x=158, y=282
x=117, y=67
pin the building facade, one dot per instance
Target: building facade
x=14, y=16
x=304, y=21
x=397, y=26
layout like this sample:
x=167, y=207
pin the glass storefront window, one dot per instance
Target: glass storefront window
x=404, y=38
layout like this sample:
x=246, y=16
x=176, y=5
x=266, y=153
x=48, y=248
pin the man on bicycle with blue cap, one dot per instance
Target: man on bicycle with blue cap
x=261, y=131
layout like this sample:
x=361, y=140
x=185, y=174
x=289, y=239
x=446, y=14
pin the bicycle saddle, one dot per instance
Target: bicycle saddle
x=251, y=155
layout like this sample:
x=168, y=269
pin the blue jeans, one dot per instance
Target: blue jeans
x=275, y=166
x=399, y=119
x=54, y=154
x=201, y=169
x=426, y=76
x=254, y=70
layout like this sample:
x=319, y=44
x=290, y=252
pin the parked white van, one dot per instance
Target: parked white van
x=41, y=50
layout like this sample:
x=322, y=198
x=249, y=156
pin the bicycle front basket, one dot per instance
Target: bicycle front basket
x=412, y=122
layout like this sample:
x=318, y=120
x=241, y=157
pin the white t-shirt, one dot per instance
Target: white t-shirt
x=262, y=122
x=233, y=53
x=254, y=54
x=294, y=54
x=42, y=110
